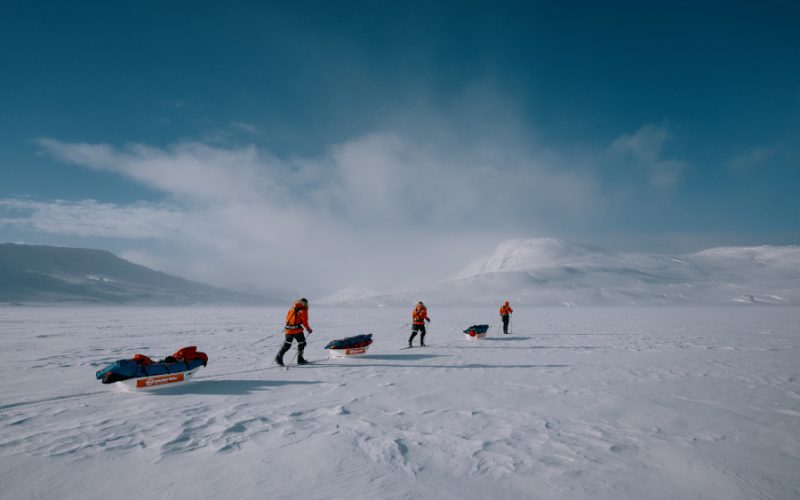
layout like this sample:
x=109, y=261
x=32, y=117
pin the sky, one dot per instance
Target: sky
x=312, y=146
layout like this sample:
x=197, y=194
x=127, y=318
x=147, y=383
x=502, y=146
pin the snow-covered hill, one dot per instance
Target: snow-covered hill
x=47, y=274
x=556, y=272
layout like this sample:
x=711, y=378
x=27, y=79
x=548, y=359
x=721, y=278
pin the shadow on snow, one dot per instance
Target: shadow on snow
x=226, y=387
x=526, y=347
x=501, y=339
x=471, y=365
x=401, y=357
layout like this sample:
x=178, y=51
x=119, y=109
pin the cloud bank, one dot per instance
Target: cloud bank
x=92, y=218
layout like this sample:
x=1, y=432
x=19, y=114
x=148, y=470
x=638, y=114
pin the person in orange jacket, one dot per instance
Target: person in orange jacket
x=418, y=319
x=505, y=314
x=296, y=320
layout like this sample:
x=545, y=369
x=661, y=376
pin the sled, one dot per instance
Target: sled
x=156, y=381
x=350, y=346
x=476, y=332
x=348, y=352
x=141, y=372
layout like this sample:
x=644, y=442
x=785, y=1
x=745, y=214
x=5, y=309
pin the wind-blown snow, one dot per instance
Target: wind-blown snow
x=349, y=294
x=601, y=403
x=522, y=255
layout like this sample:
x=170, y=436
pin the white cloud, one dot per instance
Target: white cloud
x=645, y=147
x=189, y=170
x=378, y=176
x=752, y=159
x=645, y=144
x=245, y=127
x=91, y=218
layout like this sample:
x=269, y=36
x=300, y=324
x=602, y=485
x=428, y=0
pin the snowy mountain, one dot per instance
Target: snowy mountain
x=556, y=272
x=46, y=274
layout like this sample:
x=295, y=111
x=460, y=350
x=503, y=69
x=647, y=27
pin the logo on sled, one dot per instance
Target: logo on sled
x=356, y=350
x=160, y=380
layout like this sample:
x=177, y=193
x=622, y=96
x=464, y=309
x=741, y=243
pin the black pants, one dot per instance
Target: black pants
x=287, y=344
x=414, y=330
x=505, y=322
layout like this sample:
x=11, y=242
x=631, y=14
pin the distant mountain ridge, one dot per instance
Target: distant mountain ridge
x=533, y=271
x=62, y=275
x=554, y=272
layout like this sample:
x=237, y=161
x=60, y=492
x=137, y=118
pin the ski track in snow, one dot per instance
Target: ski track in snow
x=576, y=403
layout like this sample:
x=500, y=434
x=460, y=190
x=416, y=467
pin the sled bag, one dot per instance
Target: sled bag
x=477, y=329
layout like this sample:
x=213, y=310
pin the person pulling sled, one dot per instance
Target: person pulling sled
x=505, y=315
x=418, y=319
x=296, y=320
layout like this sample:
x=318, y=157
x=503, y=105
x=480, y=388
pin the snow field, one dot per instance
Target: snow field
x=576, y=403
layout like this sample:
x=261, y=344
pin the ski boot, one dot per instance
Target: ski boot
x=279, y=356
x=300, y=359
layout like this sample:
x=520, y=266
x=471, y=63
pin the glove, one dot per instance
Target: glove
x=310, y=330
x=428, y=320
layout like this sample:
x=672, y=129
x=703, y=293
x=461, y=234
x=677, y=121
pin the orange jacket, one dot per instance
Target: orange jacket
x=296, y=319
x=419, y=315
x=505, y=309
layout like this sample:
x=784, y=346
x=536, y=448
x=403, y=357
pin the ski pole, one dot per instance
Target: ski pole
x=262, y=340
x=404, y=326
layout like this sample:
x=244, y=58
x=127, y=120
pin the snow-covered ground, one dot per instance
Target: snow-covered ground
x=601, y=403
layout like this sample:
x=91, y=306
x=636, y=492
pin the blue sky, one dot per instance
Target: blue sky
x=389, y=143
